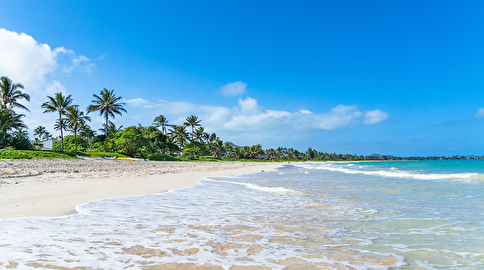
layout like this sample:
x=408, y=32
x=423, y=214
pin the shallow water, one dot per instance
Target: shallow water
x=331, y=216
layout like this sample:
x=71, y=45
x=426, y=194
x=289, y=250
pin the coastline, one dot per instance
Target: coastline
x=49, y=188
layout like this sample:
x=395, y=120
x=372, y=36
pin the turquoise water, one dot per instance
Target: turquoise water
x=359, y=215
x=430, y=212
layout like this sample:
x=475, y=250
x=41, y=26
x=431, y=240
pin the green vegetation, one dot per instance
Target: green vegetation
x=42, y=133
x=195, y=150
x=58, y=104
x=107, y=104
x=71, y=144
x=95, y=153
x=75, y=120
x=162, y=157
x=9, y=153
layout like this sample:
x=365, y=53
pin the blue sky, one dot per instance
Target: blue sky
x=393, y=77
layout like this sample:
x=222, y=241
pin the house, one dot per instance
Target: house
x=48, y=144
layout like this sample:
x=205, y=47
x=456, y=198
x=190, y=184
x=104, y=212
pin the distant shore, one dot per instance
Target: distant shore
x=54, y=187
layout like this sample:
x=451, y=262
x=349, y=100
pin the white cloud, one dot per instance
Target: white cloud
x=82, y=63
x=375, y=117
x=26, y=61
x=304, y=111
x=55, y=87
x=480, y=113
x=338, y=117
x=249, y=106
x=233, y=89
x=138, y=102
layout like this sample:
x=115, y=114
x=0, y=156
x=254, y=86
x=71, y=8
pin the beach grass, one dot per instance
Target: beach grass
x=9, y=153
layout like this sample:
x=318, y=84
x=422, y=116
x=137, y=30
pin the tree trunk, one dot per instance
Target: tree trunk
x=62, y=133
x=106, y=132
x=75, y=141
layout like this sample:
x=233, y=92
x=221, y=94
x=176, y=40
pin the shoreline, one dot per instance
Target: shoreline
x=51, y=188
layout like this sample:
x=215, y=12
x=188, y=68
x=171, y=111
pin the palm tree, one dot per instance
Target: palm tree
x=86, y=132
x=217, y=148
x=61, y=125
x=107, y=104
x=161, y=121
x=41, y=132
x=75, y=119
x=271, y=153
x=192, y=121
x=179, y=134
x=10, y=121
x=59, y=104
x=112, y=129
x=47, y=136
x=171, y=145
x=20, y=132
x=213, y=137
x=206, y=137
x=10, y=93
x=198, y=134
x=229, y=147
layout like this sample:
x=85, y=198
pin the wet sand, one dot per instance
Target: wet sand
x=46, y=188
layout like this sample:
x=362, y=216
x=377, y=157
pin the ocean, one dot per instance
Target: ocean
x=352, y=215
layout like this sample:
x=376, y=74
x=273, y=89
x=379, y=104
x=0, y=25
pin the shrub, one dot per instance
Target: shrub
x=37, y=145
x=208, y=158
x=162, y=157
x=48, y=154
x=195, y=149
x=69, y=144
x=9, y=153
x=129, y=142
x=97, y=139
x=96, y=153
x=19, y=142
x=4, y=139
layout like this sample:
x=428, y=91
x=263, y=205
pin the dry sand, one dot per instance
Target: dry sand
x=33, y=188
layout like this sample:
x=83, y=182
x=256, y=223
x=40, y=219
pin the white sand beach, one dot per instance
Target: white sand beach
x=45, y=188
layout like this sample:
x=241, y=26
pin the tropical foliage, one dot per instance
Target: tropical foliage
x=59, y=103
x=195, y=150
x=192, y=121
x=111, y=128
x=179, y=135
x=107, y=104
x=10, y=94
x=10, y=121
x=12, y=128
x=161, y=121
x=42, y=133
x=18, y=141
x=71, y=143
x=75, y=120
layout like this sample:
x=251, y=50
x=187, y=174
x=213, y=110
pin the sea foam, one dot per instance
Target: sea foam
x=394, y=172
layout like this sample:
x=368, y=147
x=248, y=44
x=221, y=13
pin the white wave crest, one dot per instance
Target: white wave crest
x=278, y=190
x=404, y=174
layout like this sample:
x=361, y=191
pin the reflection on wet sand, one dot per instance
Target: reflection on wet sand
x=190, y=229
